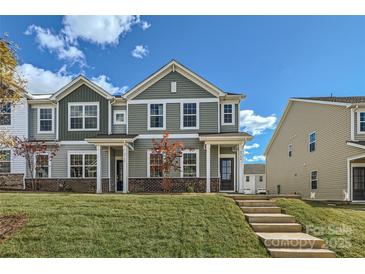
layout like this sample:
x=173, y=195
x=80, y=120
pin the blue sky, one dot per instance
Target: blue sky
x=269, y=58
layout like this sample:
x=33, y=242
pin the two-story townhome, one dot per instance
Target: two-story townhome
x=318, y=149
x=105, y=141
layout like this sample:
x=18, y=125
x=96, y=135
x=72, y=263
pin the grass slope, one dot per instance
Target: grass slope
x=73, y=225
x=341, y=227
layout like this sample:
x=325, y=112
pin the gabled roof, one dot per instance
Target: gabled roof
x=77, y=82
x=254, y=169
x=345, y=99
x=171, y=67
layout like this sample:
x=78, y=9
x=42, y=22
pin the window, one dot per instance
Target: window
x=5, y=114
x=290, y=150
x=156, y=116
x=261, y=178
x=361, y=122
x=45, y=119
x=82, y=165
x=228, y=114
x=190, y=115
x=247, y=178
x=119, y=117
x=312, y=141
x=5, y=161
x=173, y=87
x=42, y=168
x=83, y=116
x=314, y=179
x=155, y=164
x=190, y=163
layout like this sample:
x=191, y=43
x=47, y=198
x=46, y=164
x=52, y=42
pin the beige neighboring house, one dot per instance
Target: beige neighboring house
x=318, y=149
x=254, y=178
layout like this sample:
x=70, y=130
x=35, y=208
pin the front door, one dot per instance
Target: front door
x=227, y=174
x=358, y=183
x=119, y=175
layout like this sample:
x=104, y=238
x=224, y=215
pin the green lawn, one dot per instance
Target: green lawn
x=342, y=227
x=73, y=225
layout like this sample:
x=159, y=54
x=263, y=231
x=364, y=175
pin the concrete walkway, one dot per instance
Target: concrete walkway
x=280, y=233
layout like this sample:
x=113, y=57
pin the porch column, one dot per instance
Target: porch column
x=240, y=167
x=98, y=169
x=125, y=168
x=207, y=147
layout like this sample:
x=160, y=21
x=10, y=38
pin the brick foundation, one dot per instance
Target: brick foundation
x=178, y=185
x=11, y=181
x=66, y=185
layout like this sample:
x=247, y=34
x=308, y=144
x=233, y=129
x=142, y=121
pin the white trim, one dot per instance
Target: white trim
x=172, y=136
x=349, y=174
x=35, y=165
x=57, y=121
x=163, y=117
x=125, y=169
x=309, y=141
x=225, y=156
x=109, y=167
x=352, y=124
x=109, y=118
x=321, y=102
x=196, y=151
x=39, y=131
x=219, y=117
x=172, y=101
x=99, y=188
x=355, y=145
x=127, y=118
x=358, y=111
x=197, y=105
x=233, y=115
x=119, y=111
x=79, y=152
x=83, y=104
x=116, y=159
x=207, y=167
x=73, y=143
x=310, y=180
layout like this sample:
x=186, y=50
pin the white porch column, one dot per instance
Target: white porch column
x=240, y=168
x=207, y=148
x=98, y=169
x=125, y=168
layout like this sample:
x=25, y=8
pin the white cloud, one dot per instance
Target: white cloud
x=256, y=158
x=145, y=25
x=255, y=145
x=256, y=124
x=103, y=81
x=140, y=51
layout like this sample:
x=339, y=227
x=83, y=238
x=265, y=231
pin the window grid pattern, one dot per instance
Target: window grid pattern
x=5, y=114
x=5, y=161
x=84, y=117
x=189, y=115
x=362, y=121
x=83, y=165
x=156, y=161
x=227, y=114
x=156, y=116
x=312, y=142
x=314, y=180
x=46, y=119
x=189, y=164
x=42, y=166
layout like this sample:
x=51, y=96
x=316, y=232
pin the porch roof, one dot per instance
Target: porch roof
x=359, y=144
x=225, y=138
x=112, y=139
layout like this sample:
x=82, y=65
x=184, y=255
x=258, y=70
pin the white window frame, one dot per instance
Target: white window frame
x=83, y=104
x=9, y=150
x=309, y=141
x=35, y=165
x=149, y=152
x=358, y=121
x=310, y=180
x=233, y=115
x=83, y=153
x=149, y=115
x=11, y=116
x=115, y=113
x=185, y=151
x=39, y=131
x=290, y=151
x=182, y=115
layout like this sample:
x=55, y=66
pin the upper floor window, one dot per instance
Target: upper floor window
x=361, y=122
x=261, y=178
x=290, y=150
x=247, y=178
x=314, y=179
x=228, y=114
x=190, y=116
x=42, y=166
x=5, y=161
x=190, y=163
x=82, y=165
x=156, y=116
x=5, y=114
x=119, y=117
x=83, y=116
x=155, y=161
x=45, y=120
x=312, y=141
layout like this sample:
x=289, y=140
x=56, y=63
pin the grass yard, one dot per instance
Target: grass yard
x=81, y=225
x=342, y=227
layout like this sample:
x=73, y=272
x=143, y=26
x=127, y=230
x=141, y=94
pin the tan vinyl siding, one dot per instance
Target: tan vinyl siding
x=33, y=126
x=333, y=127
x=358, y=136
x=118, y=129
x=235, y=127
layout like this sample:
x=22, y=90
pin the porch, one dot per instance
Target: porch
x=356, y=178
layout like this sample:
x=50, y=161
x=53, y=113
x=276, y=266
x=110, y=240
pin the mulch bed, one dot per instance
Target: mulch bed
x=10, y=224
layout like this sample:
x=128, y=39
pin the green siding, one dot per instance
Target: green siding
x=235, y=127
x=33, y=126
x=185, y=89
x=82, y=94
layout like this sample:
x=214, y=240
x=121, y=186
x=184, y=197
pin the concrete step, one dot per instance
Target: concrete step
x=301, y=253
x=249, y=197
x=261, y=209
x=290, y=240
x=269, y=218
x=276, y=227
x=255, y=203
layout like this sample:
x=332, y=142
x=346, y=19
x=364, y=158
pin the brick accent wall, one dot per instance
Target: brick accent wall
x=179, y=184
x=11, y=181
x=67, y=185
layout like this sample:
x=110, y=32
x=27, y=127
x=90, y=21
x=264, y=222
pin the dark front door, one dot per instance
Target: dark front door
x=227, y=174
x=358, y=183
x=119, y=177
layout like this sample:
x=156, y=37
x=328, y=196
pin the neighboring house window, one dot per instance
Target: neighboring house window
x=247, y=178
x=361, y=122
x=42, y=167
x=5, y=114
x=290, y=150
x=84, y=116
x=156, y=116
x=261, y=178
x=314, y=179
x=155, y=164
x=5, y=161
x=228, y=114
x=119, y=117
x=190, y=115
x=190, y=163
x=312, y=141
x=82, y=165
x=45, y=120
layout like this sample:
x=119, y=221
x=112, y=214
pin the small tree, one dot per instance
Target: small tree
x=28, y=149
x=171, y=152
